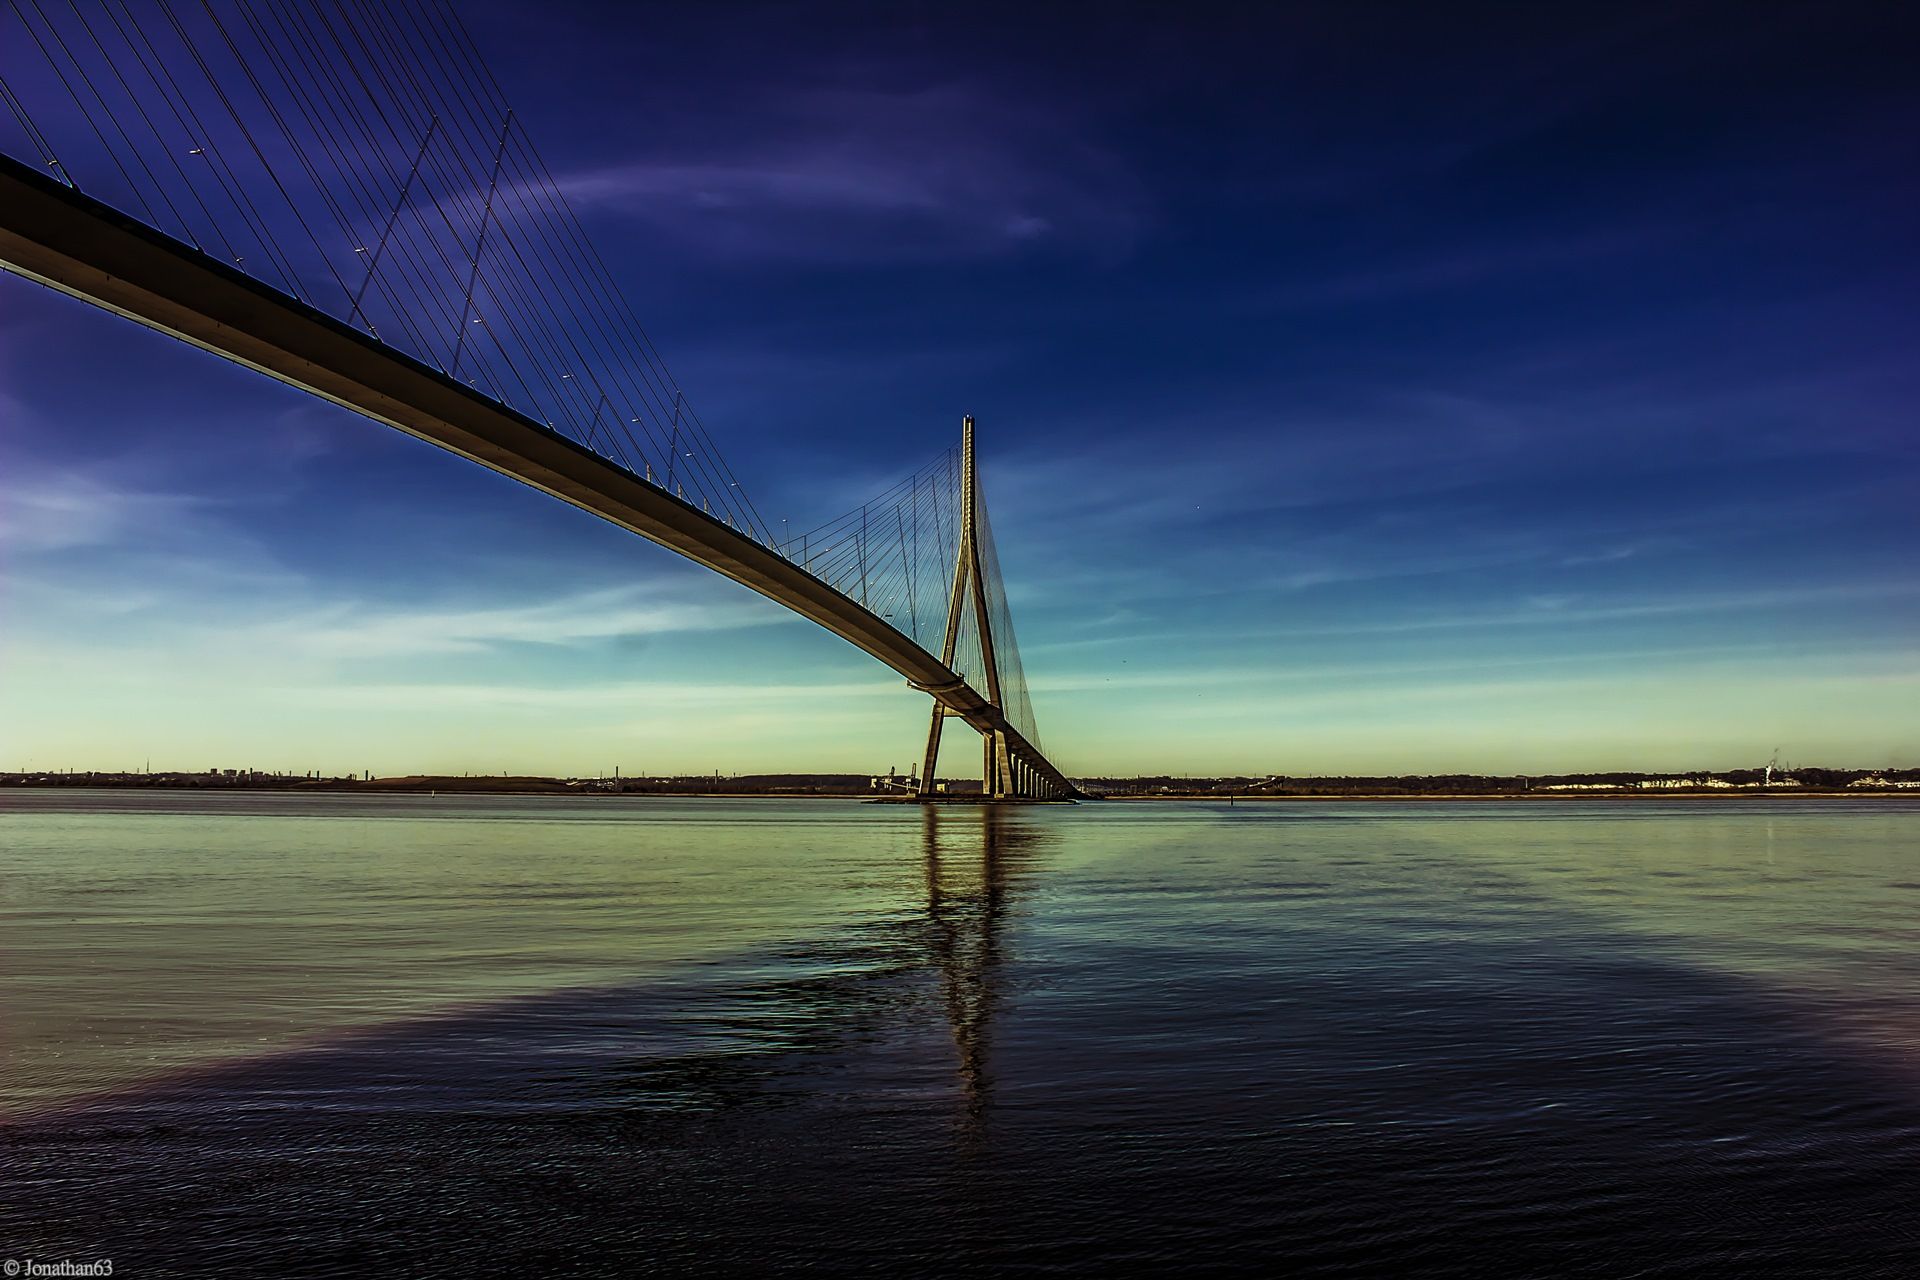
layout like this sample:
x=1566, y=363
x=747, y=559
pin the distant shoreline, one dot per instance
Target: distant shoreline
x=559, y=793
x=1635, y=793
x=468, y=787
x=1770, y=782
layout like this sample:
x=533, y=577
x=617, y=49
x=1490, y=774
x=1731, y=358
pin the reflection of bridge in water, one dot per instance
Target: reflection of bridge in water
x=908, y=993
x=966, y=902
x=339, y=196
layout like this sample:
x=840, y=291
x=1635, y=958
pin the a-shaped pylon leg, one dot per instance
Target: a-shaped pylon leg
x=932, y=761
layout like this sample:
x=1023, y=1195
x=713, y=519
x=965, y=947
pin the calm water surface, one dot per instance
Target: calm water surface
x=279, y=1034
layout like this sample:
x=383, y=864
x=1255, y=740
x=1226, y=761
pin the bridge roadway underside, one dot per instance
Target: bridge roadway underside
x=60, y=237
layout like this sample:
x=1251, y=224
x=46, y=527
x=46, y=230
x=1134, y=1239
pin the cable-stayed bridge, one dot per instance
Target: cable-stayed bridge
x=338, y=194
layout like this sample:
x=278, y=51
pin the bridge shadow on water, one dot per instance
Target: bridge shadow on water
x=934, y=1090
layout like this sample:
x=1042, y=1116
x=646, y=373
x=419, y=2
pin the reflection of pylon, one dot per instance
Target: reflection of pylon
x=965, y=910
x=997, y=778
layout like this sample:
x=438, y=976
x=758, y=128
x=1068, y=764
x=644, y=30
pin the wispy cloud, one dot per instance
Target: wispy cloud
x=356, y=630
x=1475, y=264
x=1568, y=610
x=858, y=174
x=620, y=697
x=60, y=510
x=1318, y=673
x=196, y=616
x=83, y=545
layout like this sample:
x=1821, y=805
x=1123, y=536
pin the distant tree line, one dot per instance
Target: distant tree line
x=1804, y=778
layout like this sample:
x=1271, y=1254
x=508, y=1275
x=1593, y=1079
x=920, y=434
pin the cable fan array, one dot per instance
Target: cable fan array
x=895, y=552
x=359, y=156
x=896, y=555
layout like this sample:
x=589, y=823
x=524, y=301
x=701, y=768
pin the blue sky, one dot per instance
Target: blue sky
x=1361, y=389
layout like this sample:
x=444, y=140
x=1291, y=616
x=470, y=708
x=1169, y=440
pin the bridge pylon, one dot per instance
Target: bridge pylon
x=1005, y=772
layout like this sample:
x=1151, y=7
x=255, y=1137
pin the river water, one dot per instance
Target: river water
x=253, y=1033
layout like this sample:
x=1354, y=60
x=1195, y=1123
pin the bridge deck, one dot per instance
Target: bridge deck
x=56, y=235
